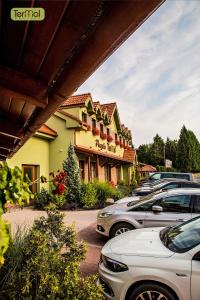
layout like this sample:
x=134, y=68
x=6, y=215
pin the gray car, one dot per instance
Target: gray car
x=163, y=209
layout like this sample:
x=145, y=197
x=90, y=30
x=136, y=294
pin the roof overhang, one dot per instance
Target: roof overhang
x=42, y=63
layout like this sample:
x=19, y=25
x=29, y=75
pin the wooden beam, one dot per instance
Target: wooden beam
x=20, y=97
x=4, y=152
x=11, y=129
x=23, y=84
x=117, y=24
x=6, y=143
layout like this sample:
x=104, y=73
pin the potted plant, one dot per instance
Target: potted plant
x=109, y=138
x=103, y=135
x=95, y=131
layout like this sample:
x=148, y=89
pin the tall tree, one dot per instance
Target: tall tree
x=143, y=154
x=170, y=150
x=188, y=152
x=73, y=181
x=157, y=151
x=194, y=151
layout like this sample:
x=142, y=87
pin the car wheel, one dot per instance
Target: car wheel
x=152, y=291
x=120, y=228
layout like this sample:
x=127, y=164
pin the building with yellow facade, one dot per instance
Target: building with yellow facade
x=103, y=145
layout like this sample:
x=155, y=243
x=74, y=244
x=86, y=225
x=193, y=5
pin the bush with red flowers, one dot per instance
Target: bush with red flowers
x=95, y=131
x=109, y=138
x=103, y=135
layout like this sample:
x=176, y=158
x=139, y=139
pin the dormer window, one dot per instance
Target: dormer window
x=84, y=117
x=101, y=128
x=93, y=124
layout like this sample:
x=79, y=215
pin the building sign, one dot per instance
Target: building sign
x=168, y=163
x=100, y=146
x=112, y=148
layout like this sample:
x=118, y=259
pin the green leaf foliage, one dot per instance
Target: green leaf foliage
x=13, y=189
x=44, y=264
x=188, y=152
x=73, y=180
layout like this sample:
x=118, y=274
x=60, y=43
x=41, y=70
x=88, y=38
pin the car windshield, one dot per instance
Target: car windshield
x=183, y=237
x=144, y=199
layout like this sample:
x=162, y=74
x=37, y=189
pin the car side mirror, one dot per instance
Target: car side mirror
x=157, y=208
x=196, y=256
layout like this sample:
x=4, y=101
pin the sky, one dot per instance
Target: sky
x=154, y=77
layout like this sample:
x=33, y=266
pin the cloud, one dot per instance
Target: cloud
x=155, y=75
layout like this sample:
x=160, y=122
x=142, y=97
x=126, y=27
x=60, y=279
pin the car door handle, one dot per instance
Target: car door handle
x=180, y=220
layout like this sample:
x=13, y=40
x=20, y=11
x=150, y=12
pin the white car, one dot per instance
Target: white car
x=153, y=264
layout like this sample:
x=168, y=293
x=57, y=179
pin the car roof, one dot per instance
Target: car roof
x=157, y=172
x=186, y=191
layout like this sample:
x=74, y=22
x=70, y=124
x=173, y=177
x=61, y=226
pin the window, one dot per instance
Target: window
x=84, y=117
x=93, y=171
x=145, y=206
x=179, y=203
x=101, y=128
x=108, y=131
x=115, y=137
x=155, y=176
x=167, y=175
x=108, y=173
x=197, y=204
x=93, y=123
x=120, y=139
x=31, y=171
x=82, y=169
x=171, y=186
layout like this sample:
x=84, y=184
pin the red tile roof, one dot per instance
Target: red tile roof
x=146, y=168
x=110, y=107
x=76, y=100
x=47, y=130
x=101, y=153
x=129, y=154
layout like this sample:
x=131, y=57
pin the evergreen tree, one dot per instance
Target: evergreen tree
x=194, y=151
x=143, y=154
x=157, y=151
x=170, y=150
x=73, y=181
x=188, y=152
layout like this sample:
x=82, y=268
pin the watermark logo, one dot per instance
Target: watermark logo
x=27, y=14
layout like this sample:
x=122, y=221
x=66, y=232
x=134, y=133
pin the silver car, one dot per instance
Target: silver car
x=162, y=209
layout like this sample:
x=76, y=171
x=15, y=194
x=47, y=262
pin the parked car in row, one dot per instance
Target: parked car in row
x=161, y=185
x=163, y=209
x=164, y=185
x=163, y=175
x=153, y=263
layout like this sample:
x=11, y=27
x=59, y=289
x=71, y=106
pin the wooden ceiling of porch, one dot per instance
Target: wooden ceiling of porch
x=42, y=63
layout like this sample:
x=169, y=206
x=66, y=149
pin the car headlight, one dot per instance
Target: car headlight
x=113, y=265
x=105, y=214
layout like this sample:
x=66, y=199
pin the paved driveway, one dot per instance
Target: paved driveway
x=85, y=222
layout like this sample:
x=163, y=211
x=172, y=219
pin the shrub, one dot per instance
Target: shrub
x=42, y=199
x=104, y=190
x=88, y=195
x=36, y=269
x=73, y=180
